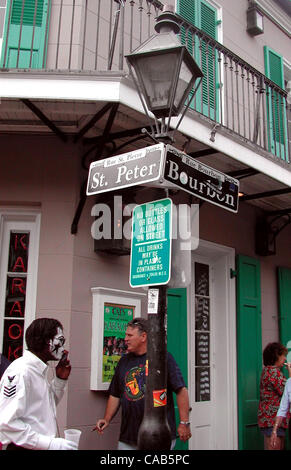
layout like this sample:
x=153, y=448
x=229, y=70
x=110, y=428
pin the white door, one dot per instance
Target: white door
x=212, y=349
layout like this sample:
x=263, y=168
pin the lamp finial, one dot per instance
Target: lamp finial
x=167, y=21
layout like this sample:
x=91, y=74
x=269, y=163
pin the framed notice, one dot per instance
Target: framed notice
x=112, y=311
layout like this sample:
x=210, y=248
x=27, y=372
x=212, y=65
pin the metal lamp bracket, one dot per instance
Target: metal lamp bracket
x=213, y=132
x=267, y=232
x=283, y=221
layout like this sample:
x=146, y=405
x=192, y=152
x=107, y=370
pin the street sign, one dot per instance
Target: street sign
x=150, y=261
x=128, y=169
x=201, y=180
x=165, y=166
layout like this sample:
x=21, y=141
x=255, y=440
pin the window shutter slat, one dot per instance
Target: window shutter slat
x=208, y=25
x=28, y=12
x=25, y=36
x=204, y=16
x=276, y=114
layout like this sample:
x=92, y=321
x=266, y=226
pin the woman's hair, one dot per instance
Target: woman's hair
x=39, y=332
x=271, y=353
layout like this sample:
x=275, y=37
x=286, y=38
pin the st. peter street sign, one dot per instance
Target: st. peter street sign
x=166, y=166
x=129, y=169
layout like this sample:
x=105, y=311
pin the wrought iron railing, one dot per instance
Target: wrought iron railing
x=94, y=36
x=237, y=96
x=90, y=35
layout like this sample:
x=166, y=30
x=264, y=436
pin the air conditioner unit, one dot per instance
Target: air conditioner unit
x=108, y=228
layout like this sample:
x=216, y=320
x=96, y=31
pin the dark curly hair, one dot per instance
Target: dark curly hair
x=271, y=353
x=39, y=332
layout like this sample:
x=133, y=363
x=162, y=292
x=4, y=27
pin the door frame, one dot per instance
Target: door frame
x=223, y=260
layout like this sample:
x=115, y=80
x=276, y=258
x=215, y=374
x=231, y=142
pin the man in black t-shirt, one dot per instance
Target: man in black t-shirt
x=127, y=389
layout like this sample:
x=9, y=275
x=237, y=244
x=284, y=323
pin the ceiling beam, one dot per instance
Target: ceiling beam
x=117, y=135
x=203, y=153
x=44, y=119
x=276, y=192
x=99, y=149
x=93, y=121
x=244, y=173
x=280, y=212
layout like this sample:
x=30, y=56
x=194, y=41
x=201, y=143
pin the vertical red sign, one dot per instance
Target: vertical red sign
x=15, y=294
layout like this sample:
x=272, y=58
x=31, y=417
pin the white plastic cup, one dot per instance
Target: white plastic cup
x=73, y=435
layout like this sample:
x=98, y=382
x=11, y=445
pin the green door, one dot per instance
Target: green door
x=25, y=34
x=284, y=292
x=249, y=351
x=177, y=339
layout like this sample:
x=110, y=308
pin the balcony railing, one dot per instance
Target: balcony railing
x=94, y=36
x=76, y=35
x=237, y=96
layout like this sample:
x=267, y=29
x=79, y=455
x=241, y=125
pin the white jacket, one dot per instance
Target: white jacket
x=28, y=403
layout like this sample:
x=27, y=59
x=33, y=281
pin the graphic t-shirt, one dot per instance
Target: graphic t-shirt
x=128, y=384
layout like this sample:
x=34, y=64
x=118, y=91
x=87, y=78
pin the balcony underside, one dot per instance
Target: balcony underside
x=78, y=108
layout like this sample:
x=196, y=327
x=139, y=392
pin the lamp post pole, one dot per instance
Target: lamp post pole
x=165, y=74
x=154, y=432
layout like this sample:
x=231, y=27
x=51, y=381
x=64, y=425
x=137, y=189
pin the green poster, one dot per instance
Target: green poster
x=116, y=318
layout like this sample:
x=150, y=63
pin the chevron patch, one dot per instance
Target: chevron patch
x=9, y=392
x=10, y=386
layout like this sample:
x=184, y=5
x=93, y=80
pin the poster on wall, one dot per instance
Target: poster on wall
x=116, y=318
x=112, y=309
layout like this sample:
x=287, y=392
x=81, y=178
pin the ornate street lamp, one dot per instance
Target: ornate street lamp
x=164, y=73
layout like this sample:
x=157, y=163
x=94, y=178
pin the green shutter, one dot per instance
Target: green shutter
x=284, y=303
x=187, y=9
x=276, y=112
x=28, y=12
x=177, y=339
x=284, y=291
x=249, y=351
x=25, y=34
x=208, y=19
x=204, y=16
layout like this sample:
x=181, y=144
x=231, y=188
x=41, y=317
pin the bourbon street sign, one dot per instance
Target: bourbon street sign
x=201, y=180
x=128, y=169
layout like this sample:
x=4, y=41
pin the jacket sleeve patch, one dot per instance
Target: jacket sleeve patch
x=10, y=386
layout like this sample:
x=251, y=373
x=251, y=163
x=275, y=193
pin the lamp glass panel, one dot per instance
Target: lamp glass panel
x=185, y=78
x=158, y=74
x=259, y=20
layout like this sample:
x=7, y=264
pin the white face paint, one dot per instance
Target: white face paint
x=56, y=345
